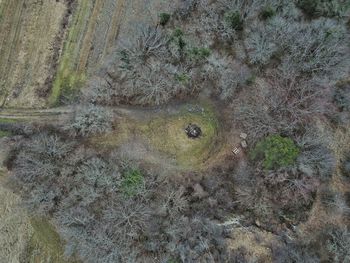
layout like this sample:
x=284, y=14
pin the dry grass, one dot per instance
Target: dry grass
x=320, y=217
x=88, y=38
x=23, y=239
x=341, y=143
x=27, y=36
x=15, y=229
x=67, y=77
x=92, y=31
x=255, y=241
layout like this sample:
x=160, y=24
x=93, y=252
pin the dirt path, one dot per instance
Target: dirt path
x=142, y=113
x=31, y=115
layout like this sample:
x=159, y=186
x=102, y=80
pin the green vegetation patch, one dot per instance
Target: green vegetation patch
x=346, y=165
x=308, y=6
x=192, y=52
x=66, y=85
x=7, y=120
x=4, y=134
x=177, y=37
x=267, y=12
x=276, y=151
x=164, y=18
x=132, y=182
x=199, y=53
x=68, y=79
x=183, y=78
x=234, y=20
x=341, y=96
x=172, y=260
x=45, y=244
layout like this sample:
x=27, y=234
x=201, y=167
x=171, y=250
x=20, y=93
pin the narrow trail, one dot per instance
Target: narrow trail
x=36, y=115
x=65, y=112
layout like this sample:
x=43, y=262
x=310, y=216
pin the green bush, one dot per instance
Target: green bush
x=309, y=6
x=183, y=78
x=125, y=58
x=132, y=182
x=4, y=134
x=172, y=260
x=234, y=20
x=178, y=32
x=267, y=12
x=164, y=18
x=177, y=37
x=197, y=53
x=251, y=80
x=276, y=151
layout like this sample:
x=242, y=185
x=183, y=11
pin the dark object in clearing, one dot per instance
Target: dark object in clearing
x=193, y=131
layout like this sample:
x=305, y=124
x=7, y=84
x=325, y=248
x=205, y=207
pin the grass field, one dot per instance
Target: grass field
x=4, y=134
x=166, y=134
x=94, y=26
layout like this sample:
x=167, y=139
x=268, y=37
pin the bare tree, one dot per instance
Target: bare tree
x=279, y=105
x=339, y=245
x=150, y=42
x=90, y=119
x=317, y=48
x=316, y=156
